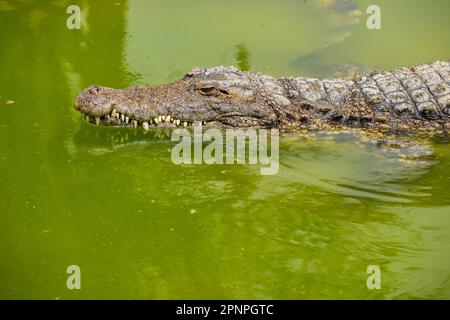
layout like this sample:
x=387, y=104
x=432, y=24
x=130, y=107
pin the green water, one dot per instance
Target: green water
x=112, y=202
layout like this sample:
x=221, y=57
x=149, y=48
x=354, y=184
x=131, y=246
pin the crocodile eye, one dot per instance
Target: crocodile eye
x=212, y=91
x=94, y=90
x=207, y=91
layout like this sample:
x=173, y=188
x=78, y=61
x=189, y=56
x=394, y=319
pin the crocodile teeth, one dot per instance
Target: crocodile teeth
x=203, y=122
x=145, y=125
x=87, y=118
x=113, y=113
x=167, y=119
x=122, y=117
x=135, y=123
x=97, y=121
x=127, y=120
x=185, y=124
x=107, y=117
x=177, y=122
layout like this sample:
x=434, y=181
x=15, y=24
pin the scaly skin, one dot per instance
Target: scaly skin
x=407, y=100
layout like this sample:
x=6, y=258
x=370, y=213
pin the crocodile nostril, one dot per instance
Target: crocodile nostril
x=94, y=90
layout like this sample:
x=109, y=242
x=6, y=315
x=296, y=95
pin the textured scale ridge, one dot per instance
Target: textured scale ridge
x=404, y=99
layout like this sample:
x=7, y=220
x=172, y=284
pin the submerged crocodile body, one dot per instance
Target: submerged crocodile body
x=407, y=100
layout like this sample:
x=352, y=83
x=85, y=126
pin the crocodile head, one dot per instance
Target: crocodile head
x=217, y=97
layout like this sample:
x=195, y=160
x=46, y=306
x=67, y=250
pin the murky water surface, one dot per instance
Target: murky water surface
x=139, y=226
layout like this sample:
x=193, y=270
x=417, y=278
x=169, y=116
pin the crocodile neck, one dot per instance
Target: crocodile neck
x=417, y=97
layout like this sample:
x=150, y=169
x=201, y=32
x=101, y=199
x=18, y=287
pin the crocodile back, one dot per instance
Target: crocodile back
x=407, y=99
x=421, y=92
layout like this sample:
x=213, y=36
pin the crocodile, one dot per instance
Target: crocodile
x=410, y=100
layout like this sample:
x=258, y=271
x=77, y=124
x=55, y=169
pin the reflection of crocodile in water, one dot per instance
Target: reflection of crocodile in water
x=342, y=15
x=409, y=100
